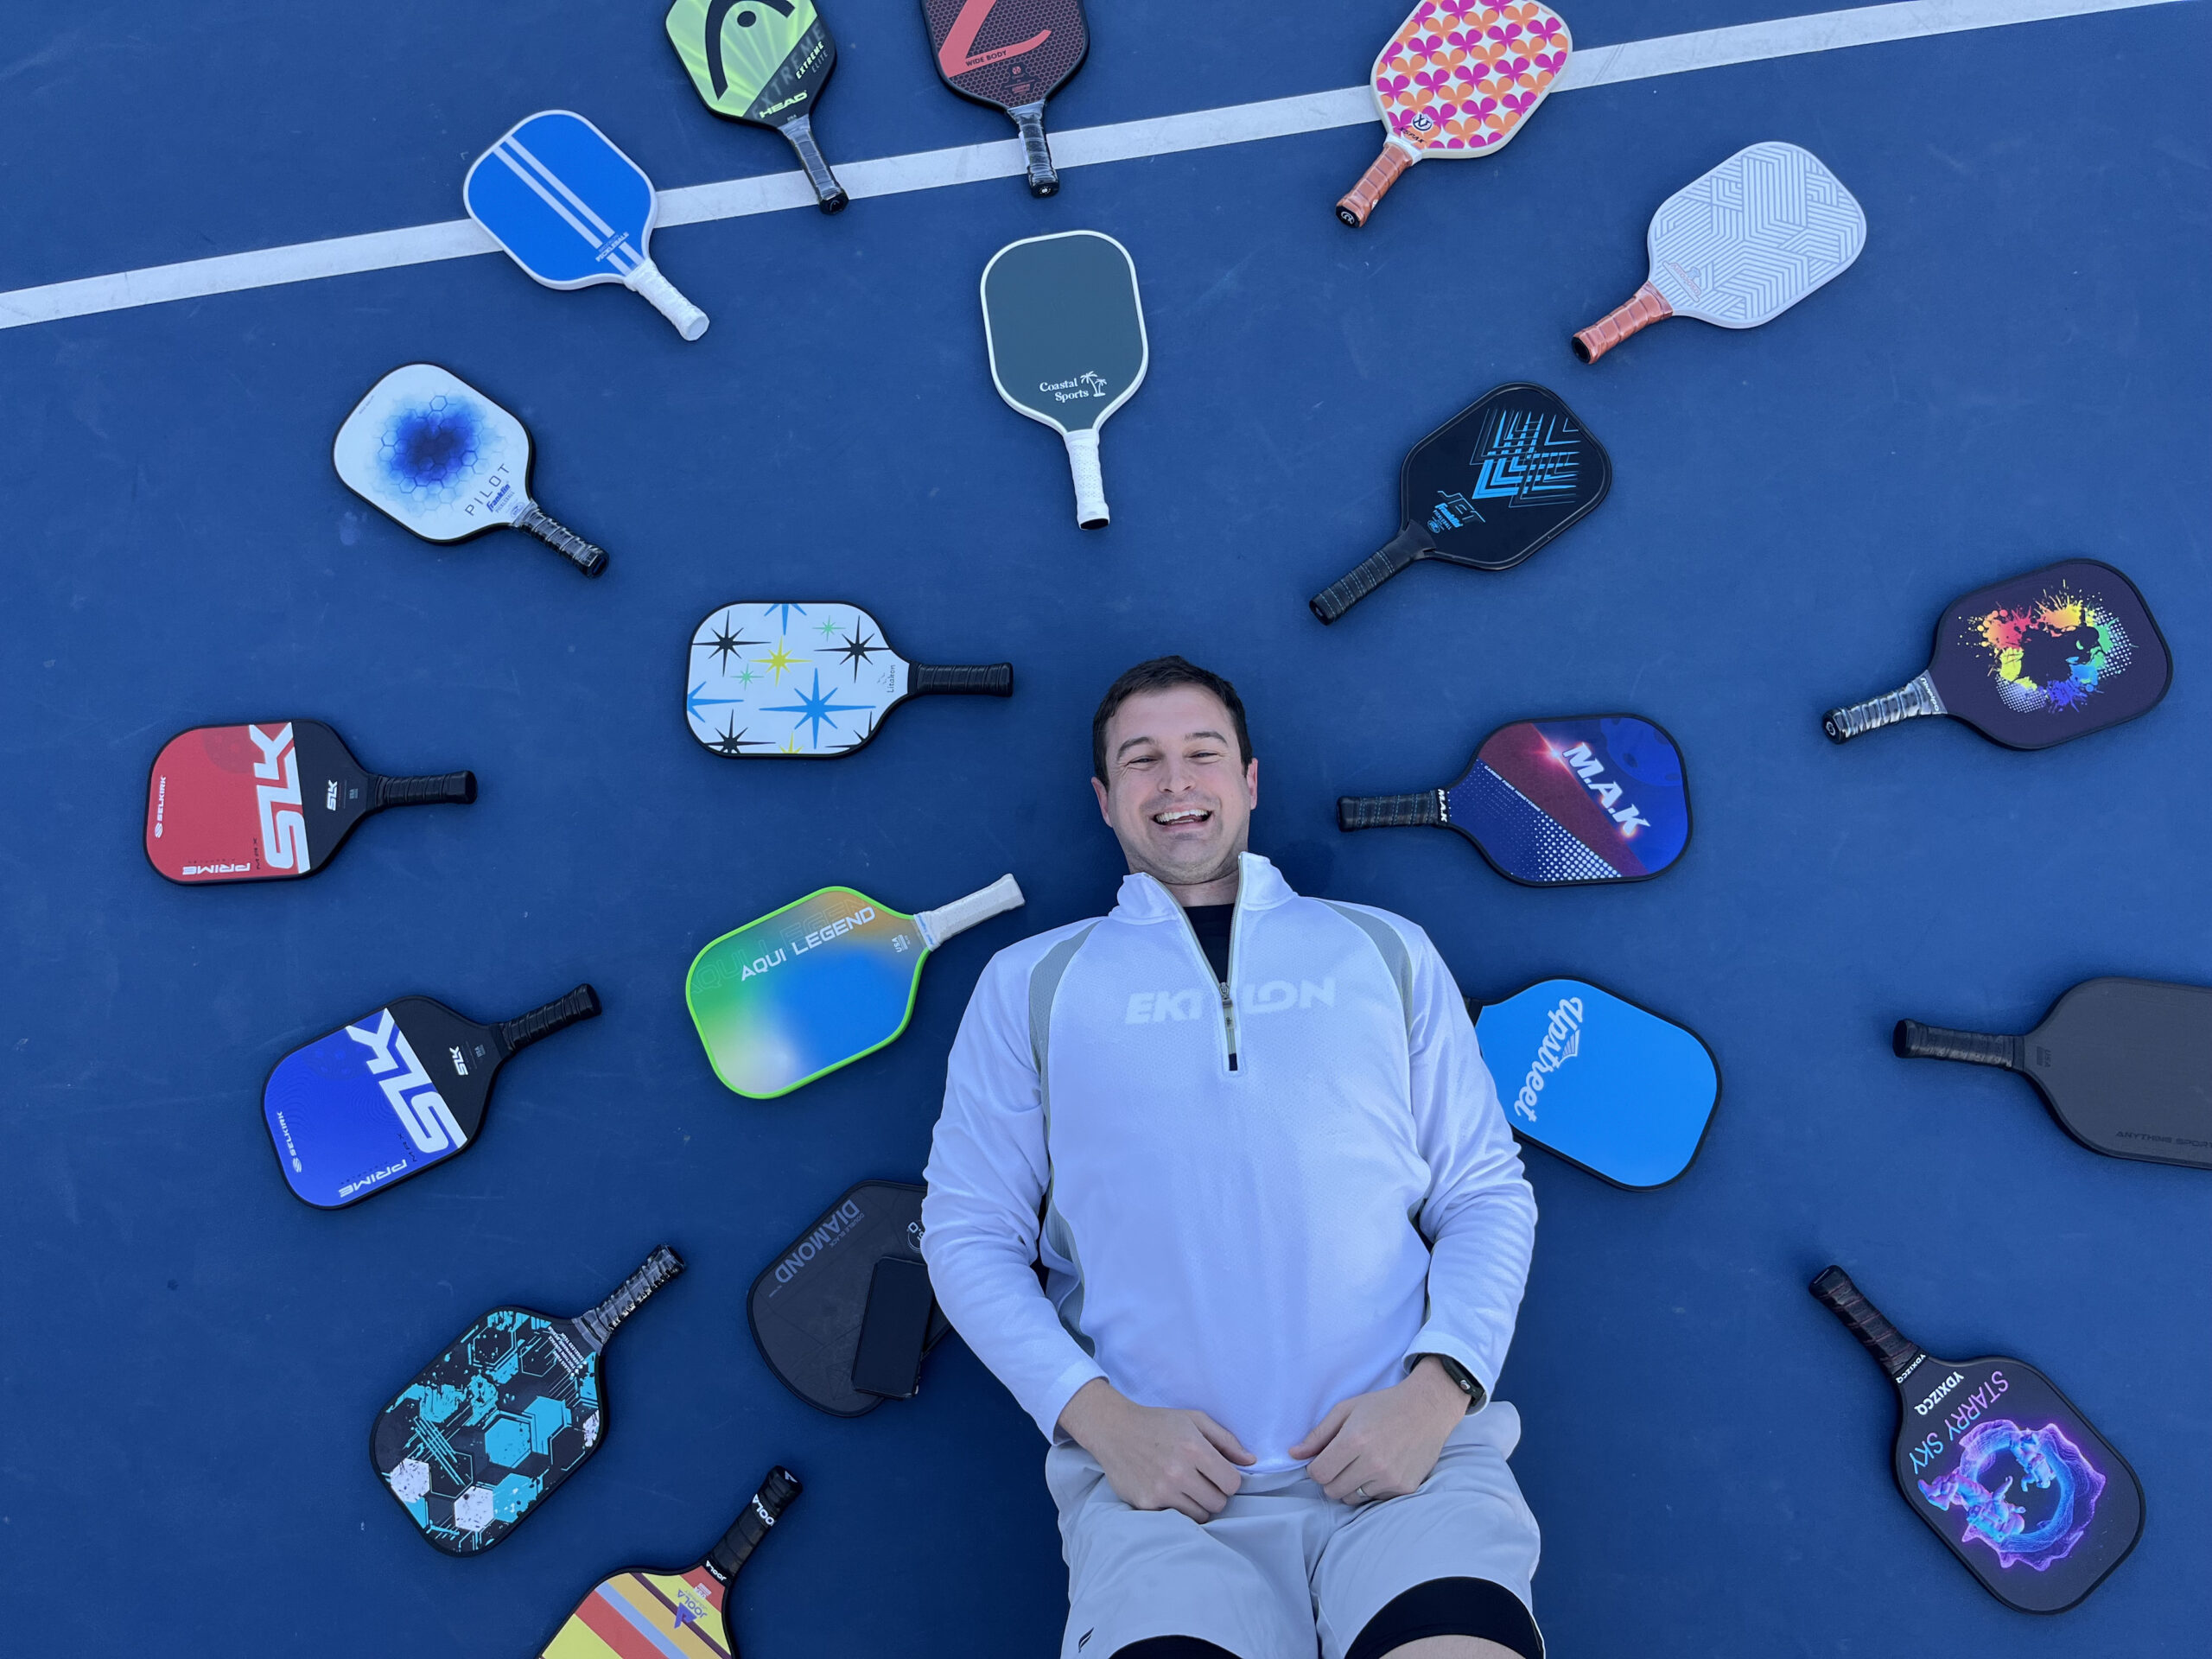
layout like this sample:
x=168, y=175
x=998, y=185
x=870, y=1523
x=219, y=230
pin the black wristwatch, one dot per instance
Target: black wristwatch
x=1460, y=1374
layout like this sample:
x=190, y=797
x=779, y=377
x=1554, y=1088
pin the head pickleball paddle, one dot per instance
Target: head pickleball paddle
x=2001, y=1465
x=393, y=1092
x=268, y=801
x=816, y=985
x=659, y=1613
x=1595, y=1079
x=448, y=462
x=783, y=678
x=1011, y=54
x=1486, y=489
x=1065, y=331
x=507, y=1413
x=572, y=210
x=1740, y=245
x=2124, y=1065
x=763, y=61
x=1457, y=80
x=1556, y=803
x=2055, y=654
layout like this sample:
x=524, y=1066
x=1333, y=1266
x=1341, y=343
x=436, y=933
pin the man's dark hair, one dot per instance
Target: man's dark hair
x=1163, y=674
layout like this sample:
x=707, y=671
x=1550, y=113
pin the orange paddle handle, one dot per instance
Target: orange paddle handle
x=1359, y=201
x=1645, y=307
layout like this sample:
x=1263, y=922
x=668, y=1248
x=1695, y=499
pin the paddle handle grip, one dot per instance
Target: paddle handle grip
x=1912, y=1040
x=1425, y=810
x=583, y=555
x=1643, y=309
x=1376, y=568
x=583, y=1003
x=1089, y=484
x=940, y=924
x=767, y=1506
x=983, y=680
x=1834, y=1290
x=1029, y=120
x=662, y=1265
x=1357, y=203
x=447, y=789
x=826, y=191
x=1906, y=702
x=690, y=321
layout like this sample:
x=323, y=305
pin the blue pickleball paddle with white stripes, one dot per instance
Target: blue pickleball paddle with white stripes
x=572, y=210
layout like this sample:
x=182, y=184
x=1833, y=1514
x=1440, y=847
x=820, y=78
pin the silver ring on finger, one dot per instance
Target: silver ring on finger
x=1361, y=1493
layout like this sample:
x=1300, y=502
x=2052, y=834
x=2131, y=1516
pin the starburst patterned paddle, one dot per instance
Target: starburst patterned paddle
x=779, y=677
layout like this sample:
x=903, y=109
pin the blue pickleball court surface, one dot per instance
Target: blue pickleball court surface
x=2016, y=370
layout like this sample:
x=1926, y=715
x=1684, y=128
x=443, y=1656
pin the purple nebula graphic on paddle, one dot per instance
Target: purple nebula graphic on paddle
x=2045, y=1463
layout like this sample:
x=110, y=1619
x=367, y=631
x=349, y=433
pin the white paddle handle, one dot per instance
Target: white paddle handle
x=690, y=321
x=1907, y=702
x=1090, y=485
x=939, y=925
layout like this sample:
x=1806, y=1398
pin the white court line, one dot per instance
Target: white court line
x=933, y=170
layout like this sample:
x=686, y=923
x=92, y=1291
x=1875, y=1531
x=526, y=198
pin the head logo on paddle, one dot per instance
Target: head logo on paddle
x=1011, y=54
x=765, y=62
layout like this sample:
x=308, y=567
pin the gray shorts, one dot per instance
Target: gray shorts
x=1284, y=1564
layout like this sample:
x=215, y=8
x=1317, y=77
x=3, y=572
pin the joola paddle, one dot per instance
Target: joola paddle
x=572, y=210
x=268, y=801
x=1556, y=803
x=1011, y=54
x=765, y=62
x=2124, y=1065
x=2034, y=660
x=1740, y=245
x=816, y=985
x=389, y=1094
x=1595, y=1079
x=1066, y=332
x=507, y=1414
x=1457, y=80
x=783, y=678
x=1486, y=489
x=664, y=1613
x=2001, y=1465
x=448, y=462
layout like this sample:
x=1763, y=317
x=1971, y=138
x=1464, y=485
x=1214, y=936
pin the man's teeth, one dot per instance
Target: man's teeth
x=1190, y=815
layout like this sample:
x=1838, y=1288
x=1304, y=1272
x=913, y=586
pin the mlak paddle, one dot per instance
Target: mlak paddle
x=1486, y=489
x=668, y=1613
x=1740, y=245
x=1556, y=803
x=783, y=678
x=268, y=801
x=1066, y=332
x=765, y=62
x=505, y=1414
x=2124, y=1065
x=1457, y=80
x=572, y=210
x=2033, y=660
x=2001, y=1465
x=1011, y=54
x=817, y=984
x=1596, y=1079
x=385, y=1096
x=448, y=462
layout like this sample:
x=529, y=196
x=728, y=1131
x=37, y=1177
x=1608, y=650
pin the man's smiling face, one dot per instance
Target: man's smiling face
x=1177, y=795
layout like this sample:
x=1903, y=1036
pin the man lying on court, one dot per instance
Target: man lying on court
x=1284, y=1233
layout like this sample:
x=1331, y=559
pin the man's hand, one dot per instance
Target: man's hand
x=1383, y=1445
x=1155, y=1458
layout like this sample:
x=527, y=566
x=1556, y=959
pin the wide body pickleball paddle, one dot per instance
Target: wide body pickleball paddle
x=1011, y=54
x=2034, y=660
x=780, y=678
x=1599, y=1080
x=1064, y=327
x=667, y=1613
x=269, y=801
x=385, y=1096
x=2001, y=1465
x=1492, y=484
x=764, y=62
x=1556, y=803
x=2124, y=1065
x=817, y=984
x=445, y=461
x=1740, y=245
x=1457, y=80
x=573, y=211
x=500, y=1419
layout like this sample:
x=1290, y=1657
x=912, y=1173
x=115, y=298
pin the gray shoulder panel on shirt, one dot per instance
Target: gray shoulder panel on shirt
x=1044, y=986
x=1396, y=957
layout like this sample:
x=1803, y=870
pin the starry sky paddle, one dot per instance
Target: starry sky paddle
x=1489, y=488
x=775, y=677
x=269, y=801
x=2003, y=1467
x=445, y=461
x=2033, y=660
x=2124, y=1065
x=1011, y=54
x=511, y=1408
x=1556, y=803
x=765, y=62
x=387, y=1095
